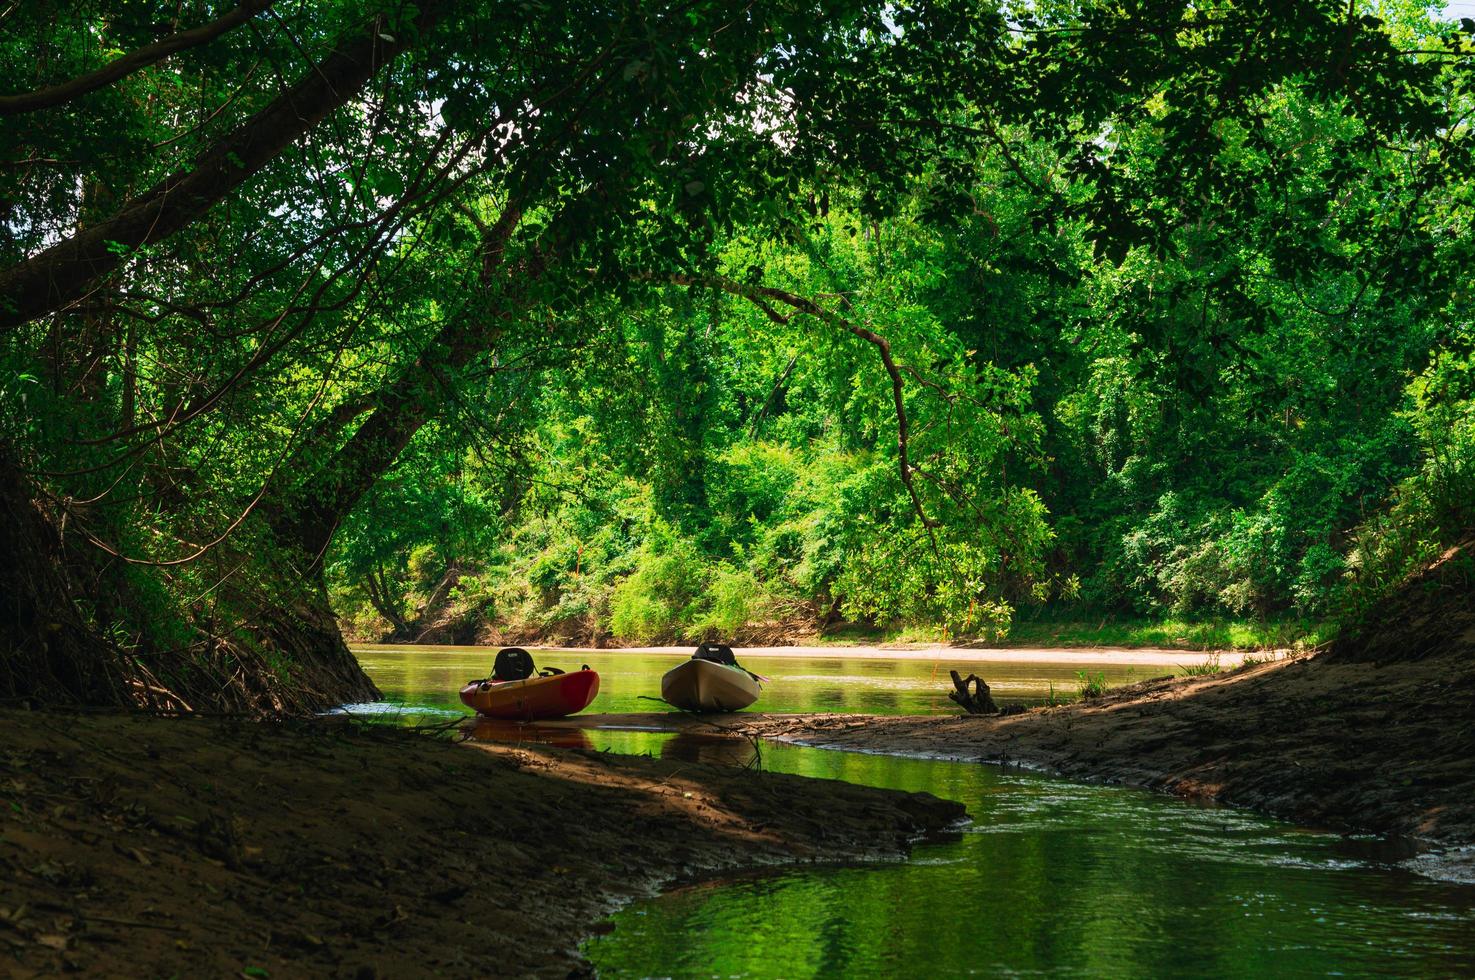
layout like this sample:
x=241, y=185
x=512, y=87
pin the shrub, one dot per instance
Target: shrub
x=637, y=616
x=661, y=593
x=1209, y=666
x=737, y=599
x=1430, y=511
x=1089, y=685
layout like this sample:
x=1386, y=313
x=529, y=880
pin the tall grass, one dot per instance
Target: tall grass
x=1090, y=685
x=1178, y=634
x=1209, y=666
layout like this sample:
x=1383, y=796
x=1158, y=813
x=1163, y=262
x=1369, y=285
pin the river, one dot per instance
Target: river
x=865, y=679
x=1050, y=876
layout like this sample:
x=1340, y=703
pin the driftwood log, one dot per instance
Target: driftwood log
x=975, y=701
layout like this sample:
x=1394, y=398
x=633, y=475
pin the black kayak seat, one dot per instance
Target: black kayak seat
x=512, y=664
x=718, y=653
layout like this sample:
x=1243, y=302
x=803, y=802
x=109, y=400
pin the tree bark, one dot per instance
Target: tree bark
x=70, y=633
x=376, y=586
x=47, y=650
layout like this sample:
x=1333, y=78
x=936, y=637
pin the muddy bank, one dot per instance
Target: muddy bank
x=197, y=847
x=1387, y=748
x=1333, y=741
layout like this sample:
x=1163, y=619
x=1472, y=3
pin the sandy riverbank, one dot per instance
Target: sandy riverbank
x=1361, y=746
x=1351, y=745
x=197, y=847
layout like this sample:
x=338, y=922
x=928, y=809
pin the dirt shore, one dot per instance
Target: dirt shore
x=1386, y=748
x=1340, y=743
x=195, y=847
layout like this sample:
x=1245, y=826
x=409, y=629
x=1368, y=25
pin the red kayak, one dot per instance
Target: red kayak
x=532, y=698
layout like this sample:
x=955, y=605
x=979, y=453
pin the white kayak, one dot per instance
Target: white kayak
x=701, y=685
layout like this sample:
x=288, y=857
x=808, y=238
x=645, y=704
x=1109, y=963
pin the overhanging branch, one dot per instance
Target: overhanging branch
x=65, y=272
x=60, y=94
x=764, y=297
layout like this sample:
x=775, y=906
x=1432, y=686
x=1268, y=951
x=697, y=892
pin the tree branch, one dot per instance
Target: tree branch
x=402, y=406
x=764, y=296
x=55, y=95
x=62, y=274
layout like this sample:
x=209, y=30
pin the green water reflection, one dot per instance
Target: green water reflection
x=428, y=677
x=1054, y=878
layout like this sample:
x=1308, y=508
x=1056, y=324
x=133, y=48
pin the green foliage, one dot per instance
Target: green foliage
x=764, y=483
x=950, y=321
x=663, y=589
x=738, y=600
x=1430, y=511
x=1059, y=628
x=1209, y=667
x=1089, y=685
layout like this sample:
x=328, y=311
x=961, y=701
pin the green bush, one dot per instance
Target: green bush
x=737, y=600
x=662, y=592
x=1430, y=511
x=637, y=616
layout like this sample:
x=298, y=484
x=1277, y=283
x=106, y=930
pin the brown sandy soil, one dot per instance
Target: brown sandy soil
x=1357, y=746
x=143, y=846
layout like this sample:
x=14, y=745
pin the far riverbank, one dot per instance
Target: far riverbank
x=1043, y=633
x=1146, y=656
x=1152, y=656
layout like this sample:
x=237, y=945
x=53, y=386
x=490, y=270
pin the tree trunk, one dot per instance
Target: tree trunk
x=67, y=634
x=48, y=650
x=324, y=496
x=126, y=65
x=376, y=586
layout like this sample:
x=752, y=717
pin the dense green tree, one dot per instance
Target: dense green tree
x=284, y=272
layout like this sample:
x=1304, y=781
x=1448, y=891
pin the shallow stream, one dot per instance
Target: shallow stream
x=1050, y=877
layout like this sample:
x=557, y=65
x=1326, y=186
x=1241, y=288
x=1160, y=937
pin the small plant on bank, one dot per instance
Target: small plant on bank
x=1091, y=685
x=1053, y=700
x=1209, y=666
